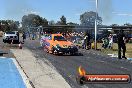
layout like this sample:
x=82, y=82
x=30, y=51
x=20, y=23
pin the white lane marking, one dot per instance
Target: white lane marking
x=124, y=68
x=98, y=54
x=112, y=55
x=109, y=54
x=102, y=61
x=85, y=86
x=23, y=75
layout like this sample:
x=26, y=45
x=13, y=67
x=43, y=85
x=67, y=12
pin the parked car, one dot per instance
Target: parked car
x=11, y=37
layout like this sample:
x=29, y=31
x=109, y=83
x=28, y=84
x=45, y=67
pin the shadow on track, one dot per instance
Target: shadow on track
x=76, y=54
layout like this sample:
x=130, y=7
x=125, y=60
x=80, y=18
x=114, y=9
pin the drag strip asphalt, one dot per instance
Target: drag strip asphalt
x=93, y=62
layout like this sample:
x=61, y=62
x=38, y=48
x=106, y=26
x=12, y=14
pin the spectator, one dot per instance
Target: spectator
x=121, y=44
x=105, y=43
x=87, y=41
x=24, y=36
x=110, y=41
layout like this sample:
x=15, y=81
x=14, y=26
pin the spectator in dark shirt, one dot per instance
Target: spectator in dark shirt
x=121, y=44
x=24, y=36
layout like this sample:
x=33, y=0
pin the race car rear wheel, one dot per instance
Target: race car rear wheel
x=47, y=50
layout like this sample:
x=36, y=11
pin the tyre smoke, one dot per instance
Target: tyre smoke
x=105, y=9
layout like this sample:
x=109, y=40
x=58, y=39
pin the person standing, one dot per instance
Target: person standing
x=87, y=41
x=121, y=44
x=24, y=36
x=106, y=42
x=110, y=41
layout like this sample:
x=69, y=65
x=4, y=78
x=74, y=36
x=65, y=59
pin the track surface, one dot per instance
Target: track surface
x=93, y=62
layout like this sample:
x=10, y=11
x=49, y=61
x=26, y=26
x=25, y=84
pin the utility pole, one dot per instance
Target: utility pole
x=95, y=45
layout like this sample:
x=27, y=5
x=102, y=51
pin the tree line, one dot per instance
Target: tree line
x=33, y=20
x=9, y=25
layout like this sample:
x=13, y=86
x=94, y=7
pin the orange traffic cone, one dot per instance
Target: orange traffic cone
x=20, y=45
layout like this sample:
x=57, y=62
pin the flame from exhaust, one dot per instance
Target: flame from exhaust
x=82, y=72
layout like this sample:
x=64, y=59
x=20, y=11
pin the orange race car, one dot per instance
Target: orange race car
x=57, y=44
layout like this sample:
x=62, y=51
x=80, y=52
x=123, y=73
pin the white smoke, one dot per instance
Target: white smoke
x=30, y=12
x=105, y=9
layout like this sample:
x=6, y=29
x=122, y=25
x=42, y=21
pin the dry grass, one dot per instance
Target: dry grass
x=115, y=49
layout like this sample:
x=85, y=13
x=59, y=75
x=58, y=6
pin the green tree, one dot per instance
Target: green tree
x=58, y=23
x=127, y=24
x=9, y=25
x=14, y=26
x=52, y=22
x=72, y=24
x=32, y=20
x=63, y=20
x=88, y=19
x=114, y=25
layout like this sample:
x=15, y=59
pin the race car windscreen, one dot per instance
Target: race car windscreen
x=59, y=38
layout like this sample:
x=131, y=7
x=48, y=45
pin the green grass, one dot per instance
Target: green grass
x=115, y=49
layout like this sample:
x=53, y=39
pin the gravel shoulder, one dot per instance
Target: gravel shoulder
x=41, y=74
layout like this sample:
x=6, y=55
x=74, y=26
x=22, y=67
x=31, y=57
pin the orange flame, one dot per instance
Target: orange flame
x=82, y=72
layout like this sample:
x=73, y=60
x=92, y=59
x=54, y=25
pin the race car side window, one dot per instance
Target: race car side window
x=59, y=38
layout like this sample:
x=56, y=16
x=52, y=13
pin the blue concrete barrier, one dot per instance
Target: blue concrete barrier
x=9, y=74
